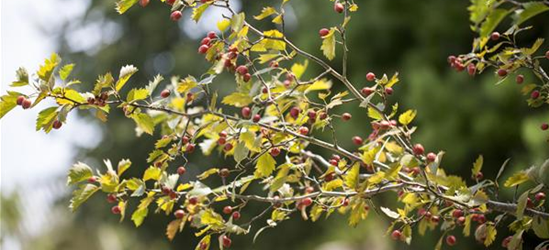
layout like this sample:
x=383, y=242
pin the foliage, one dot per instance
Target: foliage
x=281, y=114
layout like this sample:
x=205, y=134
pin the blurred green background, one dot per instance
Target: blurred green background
x=459, y=114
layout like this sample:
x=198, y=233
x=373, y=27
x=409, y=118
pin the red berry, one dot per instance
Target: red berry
x=471, y=69
x=223, y=134
x=224, y=172
x=179, y=214
x=336, y=157
x=370, y=77
x=256, y=118
x=92, y=179
x=389, y=91
x=221, y=141
x=329, y=177
x=535, y=94
x=116, y=210
x=226, y=241
x=418, y=149
x=294, y=112
x=273, y=64
x=544, y=126
x=547, y=54
x=26, y=103
x=236, y=215
x=246, y=112
x=264, y=90
x=203, y=49
x=481, y=218
x=451, y=59
x=502, y=72
x=333, y=162
x=461, y=220
x=203, y=245
x=20, y=99
x=227, y=210
x=228, y=147
x=111, y=198
x=346, y=116
x=459, y=66
x=396, y=235
x=303, y=130
x=176, y=15
x=212, y=35
x=479, y=176
x=431, y=157
x=338, y=7
x=457, y=213
x=242, y=70
x=193, y=200
x=435, y=218
x=247, y=77
x=529, y=203
x=57, y=124
x=184, y=140
x=506, y=241
x=357, y=140
x=205, y=41
x=312, y=114
x=367, y=91
x=323, y=116
x=451, y=240
x=181, y=170
x=415, y=170
x=204, y=1
x=190, y=148
x=306, y=202
x=495, y=36
x=144, y=3
x=165, y=93
x=519, y=79
x=275, y=152
x=323, y=32
x=170, y=2
x=309, y=190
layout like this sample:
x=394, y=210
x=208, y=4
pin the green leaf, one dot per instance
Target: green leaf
x=8, y=102
x=541, y=227
x=45, y=119
x=521, y=204
x=142, y=210
x=46, y=70
x=281, y=177
x=22, y=78
x=144, y=122
x=492, y=21
x=477, y=166
x=529, y=10
x=265, y=166
x=479, y=9
x=240, y=152
x=374, y=114
x=124, y=5
x=237, y=99
x=351, y=179
x=328, y=45
x=102, y=82
x=125, y=73
x=407, y=117
x=198, y=11
x=65, y=71
x=237, y=22
x=79, y=172
x=82, y=194
x=137, y=94
x=517, y=179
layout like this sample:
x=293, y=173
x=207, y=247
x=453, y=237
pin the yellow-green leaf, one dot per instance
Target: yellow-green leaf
x=329, y=45
x=265, y=166
x=237, y=99
x=267, y=11
x=407, y=117
x=125, y=73
x=517, y=179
